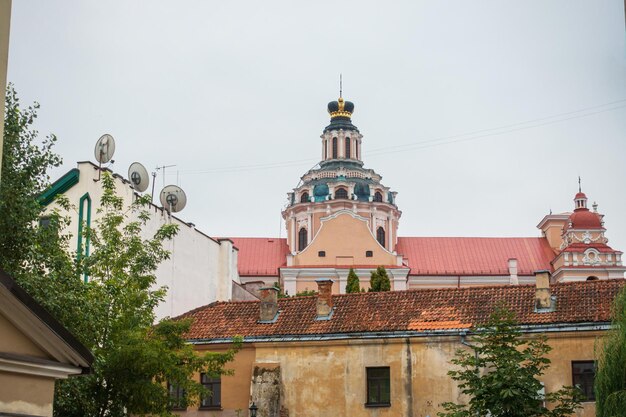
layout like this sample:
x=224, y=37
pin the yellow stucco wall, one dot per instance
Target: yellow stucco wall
x=26, y=394
x=329, y=378
x=5, y=26
x=14, y=341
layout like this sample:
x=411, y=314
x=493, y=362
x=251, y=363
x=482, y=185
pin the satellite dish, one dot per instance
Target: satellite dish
x=138, y=176
x=105, y=148
x=173, y=198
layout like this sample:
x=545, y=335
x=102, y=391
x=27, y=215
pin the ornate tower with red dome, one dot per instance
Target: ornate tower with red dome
x=341, y=200
x=581, y=249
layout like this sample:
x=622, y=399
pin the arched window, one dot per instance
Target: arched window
x=325, y=149
x=380, y=236
x=356, y=149
x=302, y=239
x=334, y=148
x=347, y=156
x=304, y=198
x=378, y=197
x=341, y=193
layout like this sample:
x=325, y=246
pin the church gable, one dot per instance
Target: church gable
x=344, y=239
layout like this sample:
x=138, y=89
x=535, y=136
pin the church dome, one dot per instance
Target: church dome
x=582, y=218
x=340, y=108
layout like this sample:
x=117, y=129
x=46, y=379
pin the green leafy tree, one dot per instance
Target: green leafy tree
x=353, y=282
x=25, y=163
x=610, y=381
x=499, y=375
x=112, y=314
x=379, y=280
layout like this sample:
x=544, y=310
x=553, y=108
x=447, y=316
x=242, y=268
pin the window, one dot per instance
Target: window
x=325, y=149
x=44, y=222
x=214, y=387
x=177, y=397
x=321, y=253
x=380, y=236
x=583, y=374
x=347, y=156
x=378, y=387
x=304, y=198
x=378, y=197
x=592, y=278
x=341, y=193
x=356, y=149
x=302, y=239
x=369, y=253
x=334, y=148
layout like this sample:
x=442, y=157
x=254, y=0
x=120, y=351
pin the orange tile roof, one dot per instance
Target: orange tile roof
x=475, y=255
x=413, y=310
x=424, y=255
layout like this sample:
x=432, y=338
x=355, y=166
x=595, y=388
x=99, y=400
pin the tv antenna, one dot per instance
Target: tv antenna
x=162, y=167
x=173, y=198
x=104, y=150
x=138, y=176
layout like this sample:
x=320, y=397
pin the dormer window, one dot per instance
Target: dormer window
x=304, y=198
x=341, y=193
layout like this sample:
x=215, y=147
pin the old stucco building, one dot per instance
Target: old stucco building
x=341, y=216
x=387, y=354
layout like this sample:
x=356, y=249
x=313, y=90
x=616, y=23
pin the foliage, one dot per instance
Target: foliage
x=306, y=293
x=25, y=162
x=379, y=280
x=500, y=375
x=353, y=282
x=610, y=382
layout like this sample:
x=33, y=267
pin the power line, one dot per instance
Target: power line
x=427, y=143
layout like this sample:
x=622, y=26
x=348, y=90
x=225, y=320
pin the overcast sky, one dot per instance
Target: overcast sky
x=480, y=114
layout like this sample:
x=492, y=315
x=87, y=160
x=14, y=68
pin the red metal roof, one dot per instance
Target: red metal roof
x=474, y=255
x=260, y=256
x=425, y=255
x=414, y=310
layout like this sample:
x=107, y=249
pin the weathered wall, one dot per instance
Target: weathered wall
x=26, y=394
x=12, y=340
x=329, y=378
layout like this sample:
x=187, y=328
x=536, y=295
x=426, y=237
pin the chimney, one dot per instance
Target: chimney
x=324, y=298
x=513, y=272
x=543, y=300
x=269, y=304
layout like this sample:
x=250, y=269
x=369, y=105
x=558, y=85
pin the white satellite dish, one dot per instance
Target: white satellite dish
x=138, y=176
x=173, y=198
x=105, y=148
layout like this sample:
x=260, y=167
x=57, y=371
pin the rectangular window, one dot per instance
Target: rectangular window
x=583, y=374
x=378, y=387
x=213, y=399
x=44, y=221
x=177, y=397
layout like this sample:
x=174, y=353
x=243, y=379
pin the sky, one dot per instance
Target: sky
x=481, y=114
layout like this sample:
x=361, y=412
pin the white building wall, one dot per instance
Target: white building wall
x=200, y=269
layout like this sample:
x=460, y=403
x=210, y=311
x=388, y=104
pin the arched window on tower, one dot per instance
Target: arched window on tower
x=334, y=148
x=347, y=156
x=304, y=198
x=325, y=149
x=302, y=239
x=380, y=236
x=378, y=197
x=356, y=149
x=341, y=193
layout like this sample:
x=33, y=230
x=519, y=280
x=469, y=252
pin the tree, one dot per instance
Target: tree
x=25, y=163
x=379, y=280
x=610, y=381
x=500, y=375
x=134, y=359
x=112, y=314
x=353, y=282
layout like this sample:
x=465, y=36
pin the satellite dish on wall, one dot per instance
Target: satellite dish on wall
x=105, y=148
x=173, y=198
x=138, y=176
